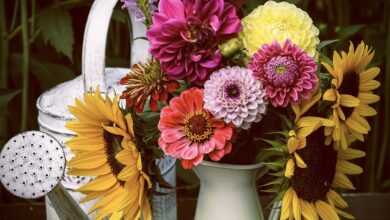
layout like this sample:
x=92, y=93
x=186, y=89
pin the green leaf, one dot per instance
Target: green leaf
x=6, y=95
x=326, y=43
x=348, y=31
x=274, y=144
x=56, y=29
x=48, y=74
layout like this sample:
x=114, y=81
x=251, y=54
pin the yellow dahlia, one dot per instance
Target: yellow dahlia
x=351, y=93
x=279, y=21
x=311, y=190
x=104, y=148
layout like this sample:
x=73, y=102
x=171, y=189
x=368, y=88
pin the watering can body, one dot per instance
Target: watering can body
x=53, y=104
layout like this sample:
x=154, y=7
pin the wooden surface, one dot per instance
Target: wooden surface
x=363, y=206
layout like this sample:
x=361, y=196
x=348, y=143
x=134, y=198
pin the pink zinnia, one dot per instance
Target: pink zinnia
x=288, y=73
x=185, y=35
x=188, y=132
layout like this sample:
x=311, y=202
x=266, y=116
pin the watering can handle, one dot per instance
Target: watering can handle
x=95, y=39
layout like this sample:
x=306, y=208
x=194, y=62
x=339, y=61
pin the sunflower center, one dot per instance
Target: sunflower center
x=197, y=128
x=112, y=149
x=232, y=91
x=350, y=86
x=313, y=183
x=281, y=70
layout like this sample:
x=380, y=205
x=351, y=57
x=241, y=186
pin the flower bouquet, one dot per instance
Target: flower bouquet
x=228, y=89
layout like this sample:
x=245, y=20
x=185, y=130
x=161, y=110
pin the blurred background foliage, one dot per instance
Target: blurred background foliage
x=41, y=46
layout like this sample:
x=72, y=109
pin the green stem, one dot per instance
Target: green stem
x=25, y=64
x=15, y=14
x=33, y=15
x=386, y=100
x=4, y=50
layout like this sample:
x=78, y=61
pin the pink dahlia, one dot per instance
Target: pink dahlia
x=188, y=132
x=185, y=35
x=234, y=95
x=288, y=73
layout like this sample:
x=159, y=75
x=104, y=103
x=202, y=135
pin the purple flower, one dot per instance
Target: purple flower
x=135, y=11
x=287, y=72
x=236, y=96
x=185, y=35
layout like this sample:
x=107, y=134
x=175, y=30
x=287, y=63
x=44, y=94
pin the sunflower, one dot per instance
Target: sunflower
x=104, y=148
x=303, y=127
x=311, y=190
x=351, y=93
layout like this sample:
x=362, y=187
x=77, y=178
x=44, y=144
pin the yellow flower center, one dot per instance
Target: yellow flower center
x=197, y=128
x=281, y=69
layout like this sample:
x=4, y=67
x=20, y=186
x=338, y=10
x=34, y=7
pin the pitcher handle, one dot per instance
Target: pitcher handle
x=95, y=40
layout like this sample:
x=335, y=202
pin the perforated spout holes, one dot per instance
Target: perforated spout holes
x=31, y=164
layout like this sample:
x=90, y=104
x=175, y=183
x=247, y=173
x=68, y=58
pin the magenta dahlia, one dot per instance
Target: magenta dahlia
x=288, y=73
x=185, y=35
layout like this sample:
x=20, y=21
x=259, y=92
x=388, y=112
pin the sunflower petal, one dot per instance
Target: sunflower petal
x=308, y=210
x=336, y=199
x=370, y=85
x=341, y=180
x=368, y=98
x=330, y=95
x=369, y=74
x=296, y=207
x=299, y=161
x=356, y=126
x=344, y=214
x=98, y=171
x=350, y=154
x=287, y=204
x=88, y=161
x=349, y=101
x=289, y=168
x=325, y=211
x=349, y=168
x=99, y=184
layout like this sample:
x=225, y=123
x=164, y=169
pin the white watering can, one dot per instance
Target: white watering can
x=53, y=104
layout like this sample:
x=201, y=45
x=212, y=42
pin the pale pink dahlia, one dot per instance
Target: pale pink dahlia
x=185, y=35
x=234, y=95
x=188, y=131
x=288, y=73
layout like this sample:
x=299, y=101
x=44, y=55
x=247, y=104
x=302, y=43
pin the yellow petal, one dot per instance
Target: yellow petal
x=344, y=214
x=102, y=170
x=99, y=184
x=325, y=211
x=368, y=86
x=125, y=157
x=341, y=180
x=146, y=210
x=350, y=154
x=287, y=204
x=299, y=161
x=330, y=95
x=296, y=207
x=308, y=210
x=336, y=199
x=127, y=173
x=348, y=168
x=115, y=130
x=356, y=126
x=368, y=98
x=289, y=168
x=366, y=110
x=292, y=144
x=115, y=192
x=328, y=67
x=369, y=74
x=88, y=161
x=116, y=216
x=349, y=100
x=130, y=124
